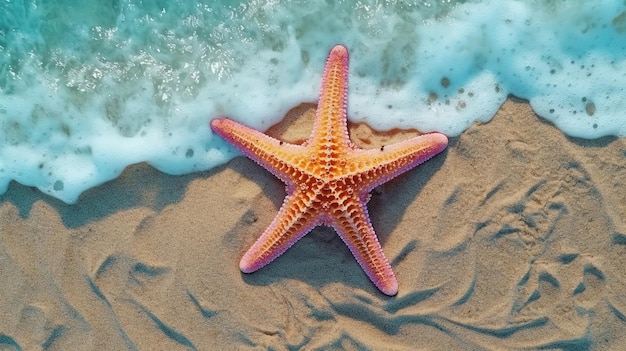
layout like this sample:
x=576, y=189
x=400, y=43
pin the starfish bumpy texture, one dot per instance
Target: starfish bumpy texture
x=328, y=178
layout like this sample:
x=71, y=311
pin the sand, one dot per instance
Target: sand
x=513, y=238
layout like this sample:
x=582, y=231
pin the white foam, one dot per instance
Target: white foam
x=112, y=86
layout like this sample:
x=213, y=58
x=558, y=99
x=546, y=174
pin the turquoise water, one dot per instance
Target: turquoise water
x=89, y=88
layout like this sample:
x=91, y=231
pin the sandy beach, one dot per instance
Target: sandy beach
x=512, y=238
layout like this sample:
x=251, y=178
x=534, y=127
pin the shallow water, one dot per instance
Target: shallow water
x=88, y=89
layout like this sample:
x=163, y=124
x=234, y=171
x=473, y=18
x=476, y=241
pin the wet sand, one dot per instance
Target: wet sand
x=512, y=238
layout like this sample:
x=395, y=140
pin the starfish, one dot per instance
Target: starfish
x=328, y=178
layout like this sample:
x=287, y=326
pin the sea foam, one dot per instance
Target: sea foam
x=89, y=89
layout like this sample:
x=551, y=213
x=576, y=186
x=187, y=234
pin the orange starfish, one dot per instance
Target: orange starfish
x=328, y=178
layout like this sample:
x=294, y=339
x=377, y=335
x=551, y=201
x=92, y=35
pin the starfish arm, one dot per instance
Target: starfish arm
x=354, y=228
x=272, y=154
x=373, y=167
x=330, y=126
x=294, y=220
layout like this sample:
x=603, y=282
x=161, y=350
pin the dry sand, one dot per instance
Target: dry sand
x=513, y=238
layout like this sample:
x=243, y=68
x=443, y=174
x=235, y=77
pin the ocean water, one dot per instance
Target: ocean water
x=88, y=88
